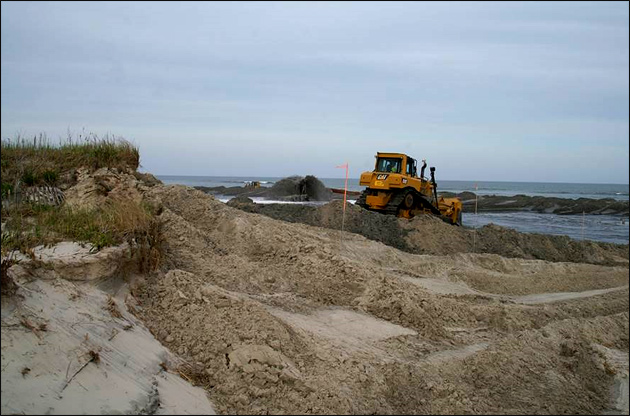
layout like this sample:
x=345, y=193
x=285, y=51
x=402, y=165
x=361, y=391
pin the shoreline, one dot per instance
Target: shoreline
x=602, y=228
x=540, y=204
x=485, y=203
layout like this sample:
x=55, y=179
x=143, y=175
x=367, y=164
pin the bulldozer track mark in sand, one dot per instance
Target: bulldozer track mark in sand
x=446, y=287
x=455, y=354
x=562, y=296
x=346, y=329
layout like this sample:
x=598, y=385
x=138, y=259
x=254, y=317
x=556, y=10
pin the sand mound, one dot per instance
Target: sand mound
x=271, y=314
x=372, y=225
x=565, y=378
x=426, y=234
x=92, y=189
x=69, y=348
x=277, y=317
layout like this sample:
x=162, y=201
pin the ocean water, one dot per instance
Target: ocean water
x=606, y=228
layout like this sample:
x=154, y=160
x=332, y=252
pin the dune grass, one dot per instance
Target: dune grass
x=39, y=161
x=7, y=283
x=113, y=223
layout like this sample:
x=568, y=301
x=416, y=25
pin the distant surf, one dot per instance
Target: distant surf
x=546, y=189
x=605, y=228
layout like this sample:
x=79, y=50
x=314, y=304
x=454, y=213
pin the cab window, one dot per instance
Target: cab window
x=411, y=167
x=388, y=164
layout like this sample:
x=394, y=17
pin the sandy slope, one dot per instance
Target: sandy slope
x=52, y=332
x=426, y=234
x=290, y=301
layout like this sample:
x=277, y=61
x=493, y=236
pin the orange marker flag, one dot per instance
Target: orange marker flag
x=345, y=190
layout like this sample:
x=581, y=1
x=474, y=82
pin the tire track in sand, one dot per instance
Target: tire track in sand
x=446, y=287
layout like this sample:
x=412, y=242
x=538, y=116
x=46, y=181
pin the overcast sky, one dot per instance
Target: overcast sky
x=484, y=91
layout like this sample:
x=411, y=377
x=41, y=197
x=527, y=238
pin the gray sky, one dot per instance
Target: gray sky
x=484, y=91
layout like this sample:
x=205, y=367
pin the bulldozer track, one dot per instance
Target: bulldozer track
x=361, y=200
x=394, y=203
x=425, y=203
x=420, y=202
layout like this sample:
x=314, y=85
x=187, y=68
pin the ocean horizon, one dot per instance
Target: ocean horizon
x=502, y=188
x=604, y=228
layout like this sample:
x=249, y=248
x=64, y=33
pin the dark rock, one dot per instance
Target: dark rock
x=244, y=203
x=561, y=206
x=296, y=188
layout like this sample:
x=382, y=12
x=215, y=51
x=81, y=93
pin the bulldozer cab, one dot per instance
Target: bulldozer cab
x=404, y=165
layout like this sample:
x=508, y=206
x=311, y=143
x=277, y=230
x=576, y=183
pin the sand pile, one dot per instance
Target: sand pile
x=274, y=317
x=369, y=224
x=426, y=234
x=488, y=379
x=92, y=189
x=72, y=347
x=279, y=317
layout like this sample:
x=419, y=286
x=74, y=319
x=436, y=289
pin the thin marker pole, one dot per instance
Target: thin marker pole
x=345, y=191
x=475, y=226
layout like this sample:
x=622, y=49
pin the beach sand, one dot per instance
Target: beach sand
x=71, y=347
x=271, y=316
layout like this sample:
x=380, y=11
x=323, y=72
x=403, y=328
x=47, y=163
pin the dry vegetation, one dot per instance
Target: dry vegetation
x=7, y=284
x=38, y=162
x=118, y=221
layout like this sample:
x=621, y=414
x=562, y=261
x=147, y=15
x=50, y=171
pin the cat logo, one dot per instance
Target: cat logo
x=381, y=177
x=404, y=180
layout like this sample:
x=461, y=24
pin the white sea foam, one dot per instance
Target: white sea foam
x=261, y=200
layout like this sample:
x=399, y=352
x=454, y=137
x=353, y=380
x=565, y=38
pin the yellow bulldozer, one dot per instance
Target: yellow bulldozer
x=395, y=188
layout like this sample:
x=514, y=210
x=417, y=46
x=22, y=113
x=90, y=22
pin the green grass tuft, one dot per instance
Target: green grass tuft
x=50, y=177
x=111, y=224
x=40, y=162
